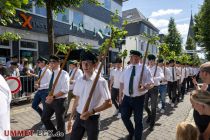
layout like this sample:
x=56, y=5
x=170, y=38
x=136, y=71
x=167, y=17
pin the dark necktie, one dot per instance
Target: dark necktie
x=173, y=74
x=70, y=73
x=40, y=71
x=51, y=81
x=131, y=80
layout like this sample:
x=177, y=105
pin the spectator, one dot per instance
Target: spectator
x=202, y=121
x=14, y=71
x=186, y=131
x=4, y=71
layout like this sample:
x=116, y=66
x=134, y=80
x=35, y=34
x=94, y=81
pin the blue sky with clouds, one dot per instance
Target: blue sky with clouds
x=159, y=12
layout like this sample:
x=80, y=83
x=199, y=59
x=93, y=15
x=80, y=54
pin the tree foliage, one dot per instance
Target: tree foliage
x=190, y=45
x=173, y=38
x=202, y=27
x=8, y=10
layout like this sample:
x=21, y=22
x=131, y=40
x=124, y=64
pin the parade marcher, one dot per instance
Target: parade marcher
x=101, y=100
x=42, y=86
x=74, y=73
x=178, y=75
x=163, y=84
x=133, y=100
x=157, y=75
x=172, y=83
x=55, y=103
x=5, y=99
x=115, y=85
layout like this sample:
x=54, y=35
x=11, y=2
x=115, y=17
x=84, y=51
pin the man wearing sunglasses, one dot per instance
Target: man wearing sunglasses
x=44, y=76
x=55, y=103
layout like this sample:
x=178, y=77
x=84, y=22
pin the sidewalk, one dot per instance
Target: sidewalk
x=111, y=128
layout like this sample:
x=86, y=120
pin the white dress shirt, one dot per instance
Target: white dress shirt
x=178, y=72
x=125, y=78
x=166, y=73
x=78, y=74
x=44, y=83
x=116, y=74
x=5, y=99
x=82, y=89
x=158, y=76
x=62, y=84
x=171, y=76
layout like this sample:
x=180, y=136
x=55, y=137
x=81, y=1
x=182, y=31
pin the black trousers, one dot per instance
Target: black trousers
x=172, y=87
x=91, y=126
x=183, y=87
x=57, y=107
x=115, y=96
x=153, y=95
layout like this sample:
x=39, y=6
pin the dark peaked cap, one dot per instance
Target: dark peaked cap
x=134, y=52
x=151, y=57
x=160, y=60
x=54, y=57
x=88, y=55
x=171, y=61
x=42, y=59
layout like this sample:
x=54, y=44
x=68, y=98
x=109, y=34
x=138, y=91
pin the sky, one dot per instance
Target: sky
x=159, y=11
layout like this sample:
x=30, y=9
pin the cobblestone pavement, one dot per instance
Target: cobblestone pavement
x=111, y=128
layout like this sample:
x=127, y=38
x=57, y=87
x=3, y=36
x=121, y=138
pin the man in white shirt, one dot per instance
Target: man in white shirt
x=42, y=86
x=55, y=103
x=115, y=85
x=178, y=75
x=133, y=100
x=157, y=75
x=163, y=84
x=101, y=100
x=74, y=73
x=172, y=83
x=5, y=99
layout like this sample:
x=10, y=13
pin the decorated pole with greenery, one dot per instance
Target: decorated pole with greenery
x=116, y=33
x=151, y=40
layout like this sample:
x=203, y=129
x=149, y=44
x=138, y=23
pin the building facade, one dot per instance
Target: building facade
x=86, y=24
x=136, y=27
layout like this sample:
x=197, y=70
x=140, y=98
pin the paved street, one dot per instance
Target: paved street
x=24, y=118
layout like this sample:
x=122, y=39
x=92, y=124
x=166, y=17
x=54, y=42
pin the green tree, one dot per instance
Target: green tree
x=58, y=6
x=173, y=38
x=190, y=45
x=7, y=16
x=8, y=10
x=202, y=27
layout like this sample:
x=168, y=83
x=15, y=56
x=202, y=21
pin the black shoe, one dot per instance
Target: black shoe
x=148, y=119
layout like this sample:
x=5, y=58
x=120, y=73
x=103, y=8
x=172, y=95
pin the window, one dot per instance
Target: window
x=145, y=29
x=41, y=11
x=29, y=45
x=29, y=50
x=64, y=17
x=107, y=4
x=4, y=43
x=78, y=18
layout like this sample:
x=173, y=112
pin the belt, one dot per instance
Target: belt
x=134, y=97
x=92, y=117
